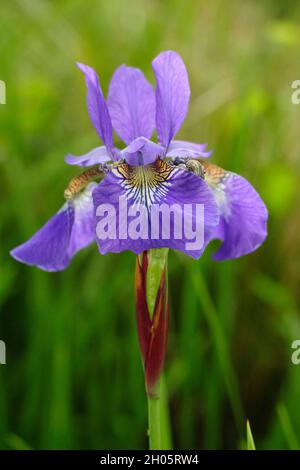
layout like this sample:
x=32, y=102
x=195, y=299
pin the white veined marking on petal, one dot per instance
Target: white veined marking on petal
x=146, y=185
x=82, y=200
x=222, y=197
x=218, y=179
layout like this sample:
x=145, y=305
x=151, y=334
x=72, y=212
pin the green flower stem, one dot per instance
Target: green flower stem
x=154, y=420
x=158, y=415
x=159, y=422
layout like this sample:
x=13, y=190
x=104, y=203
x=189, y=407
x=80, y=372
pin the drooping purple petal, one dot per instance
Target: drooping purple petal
x=182, y=148
x=68, y=231
x=243, y=220
x=128, y=202
x=172, y=94
x=97, y=107
x=48, y=248
x=96, y=156
x=131, y=104
x=83, y=231
x=142, y=152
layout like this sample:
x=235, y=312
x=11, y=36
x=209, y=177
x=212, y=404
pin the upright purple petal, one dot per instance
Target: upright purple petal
x=172, y=94
x=131, y=104
x=142, y=152
x=243, y=221
x=96, y=156
x=126, y=197
x=97, y=107
x=182, y=148
x=68, y=231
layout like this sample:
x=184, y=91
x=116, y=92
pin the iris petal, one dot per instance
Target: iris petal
x=96, y=156
x=131, y=103
x=97, y=107
x=83, y=230
x=69, y=230
x=172, y=94
x=134, y=191
x=182, y=148
x=48, y=247
x=142, y=152
x=243, y=221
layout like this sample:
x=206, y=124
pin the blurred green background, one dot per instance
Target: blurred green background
x=73, y=377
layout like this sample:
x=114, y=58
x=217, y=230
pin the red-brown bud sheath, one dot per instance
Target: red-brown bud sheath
x=152, y=330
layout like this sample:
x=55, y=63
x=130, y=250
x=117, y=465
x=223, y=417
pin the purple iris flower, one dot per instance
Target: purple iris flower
x=173, y=173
